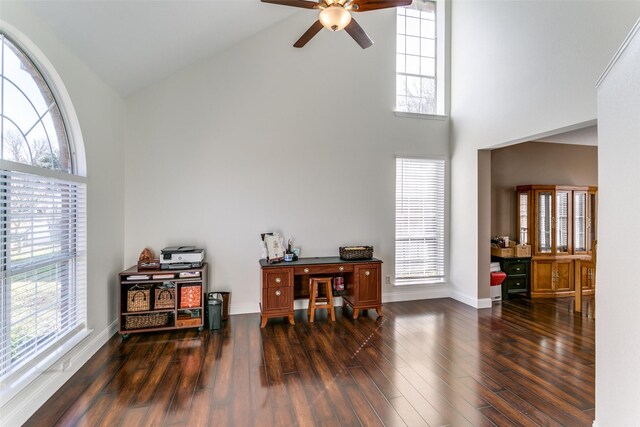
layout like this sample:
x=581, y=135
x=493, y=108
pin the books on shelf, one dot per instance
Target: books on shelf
x=184, y=274
x=163, y=276
x=138, y=277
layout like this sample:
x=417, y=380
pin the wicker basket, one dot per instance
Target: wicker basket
x=139, y=298
x=356, y=252
x=152, y=320
x=165, y=297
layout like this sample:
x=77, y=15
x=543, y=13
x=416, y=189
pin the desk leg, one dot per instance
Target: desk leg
x=263, y=321
x=291, y=321
x=356, y=311
x=379, y=311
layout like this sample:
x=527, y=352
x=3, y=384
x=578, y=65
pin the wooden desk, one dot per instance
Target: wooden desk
x=286, y=281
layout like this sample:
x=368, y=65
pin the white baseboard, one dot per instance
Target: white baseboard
x=430, y=293
x=244, y=308
x=473, y=302
x=484, y=303
x=414, y=295
x=19, y=409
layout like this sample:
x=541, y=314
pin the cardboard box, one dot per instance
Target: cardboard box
x=503, y=252
x=523, y=250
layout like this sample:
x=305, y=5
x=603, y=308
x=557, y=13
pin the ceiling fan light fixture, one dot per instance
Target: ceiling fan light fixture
x=335, y=17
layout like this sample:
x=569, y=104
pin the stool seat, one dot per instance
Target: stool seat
x=316, y=302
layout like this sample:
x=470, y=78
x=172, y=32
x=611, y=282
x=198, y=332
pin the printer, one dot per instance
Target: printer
x=179, y=257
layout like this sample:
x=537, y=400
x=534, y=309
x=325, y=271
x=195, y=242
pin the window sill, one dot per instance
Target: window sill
x=420, y=115
x=14, y=383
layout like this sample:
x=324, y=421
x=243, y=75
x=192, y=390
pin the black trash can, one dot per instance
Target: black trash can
x=214, y=311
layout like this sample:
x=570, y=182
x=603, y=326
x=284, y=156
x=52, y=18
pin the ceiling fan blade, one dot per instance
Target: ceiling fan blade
x=355, y=30
x=366, y=5
x=308, y=35
x=295, y=3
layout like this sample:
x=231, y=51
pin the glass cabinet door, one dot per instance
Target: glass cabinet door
x=580, y=222
x=523, y=217
x=592, y=236
x=563, y=206
x=544, y=220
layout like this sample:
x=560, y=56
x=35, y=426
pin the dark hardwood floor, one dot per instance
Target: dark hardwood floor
x=433, y=362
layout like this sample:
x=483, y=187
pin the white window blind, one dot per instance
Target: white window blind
x=420, y=210
x=43, y=277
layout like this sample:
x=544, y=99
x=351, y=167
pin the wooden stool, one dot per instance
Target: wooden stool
x=324, y=302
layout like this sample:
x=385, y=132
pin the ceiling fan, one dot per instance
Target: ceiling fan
x=335, y=15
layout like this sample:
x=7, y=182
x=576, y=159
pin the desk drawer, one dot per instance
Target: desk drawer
x=513, y=268
x=324, y=269
x=516, y=283
x=277, y=278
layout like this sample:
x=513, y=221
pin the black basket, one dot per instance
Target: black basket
x=356, y=252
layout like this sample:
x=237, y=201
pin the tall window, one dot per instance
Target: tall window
x=417, y=87
x=42, y=221
x=420, y=210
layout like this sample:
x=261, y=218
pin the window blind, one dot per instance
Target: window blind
x=420, y=203
x=43, y=262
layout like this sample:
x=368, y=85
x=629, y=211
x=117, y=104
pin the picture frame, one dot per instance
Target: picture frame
x=274, y=244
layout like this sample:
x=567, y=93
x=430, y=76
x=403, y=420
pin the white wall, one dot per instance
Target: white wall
x=519, y=68
x=617, y=328
x=265, y=137
x=100, y=114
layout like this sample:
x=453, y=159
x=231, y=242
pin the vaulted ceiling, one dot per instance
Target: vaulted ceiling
x=133, y=43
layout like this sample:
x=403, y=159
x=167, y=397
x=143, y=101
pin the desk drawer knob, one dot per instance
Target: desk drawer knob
x=366, y=273
x=341, y=268
x=278, y=292
x=278, y=280
x=306, y=270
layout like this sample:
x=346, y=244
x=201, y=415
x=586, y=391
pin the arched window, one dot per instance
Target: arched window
x=42, y=221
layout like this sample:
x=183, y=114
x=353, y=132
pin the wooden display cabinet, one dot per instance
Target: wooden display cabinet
x=560, y=224
x=553, y=277
x=187, y=310
x=586, y=275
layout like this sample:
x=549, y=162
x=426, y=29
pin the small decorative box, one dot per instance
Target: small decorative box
x=190, y=296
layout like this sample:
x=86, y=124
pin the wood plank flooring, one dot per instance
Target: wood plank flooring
x=425, y=363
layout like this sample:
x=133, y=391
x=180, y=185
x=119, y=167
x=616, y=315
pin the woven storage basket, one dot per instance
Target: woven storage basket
x=356, y=252
x=165, y=297
x=139, y=298
x=190, y=296
x=152, y=320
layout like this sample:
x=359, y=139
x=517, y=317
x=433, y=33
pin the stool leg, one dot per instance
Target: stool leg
x=332, y=310
x=312, y=300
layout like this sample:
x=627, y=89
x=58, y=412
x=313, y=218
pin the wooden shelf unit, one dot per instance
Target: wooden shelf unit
x=178, y=316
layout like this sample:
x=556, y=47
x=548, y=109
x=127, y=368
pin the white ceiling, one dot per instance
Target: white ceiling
x=131, y=44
